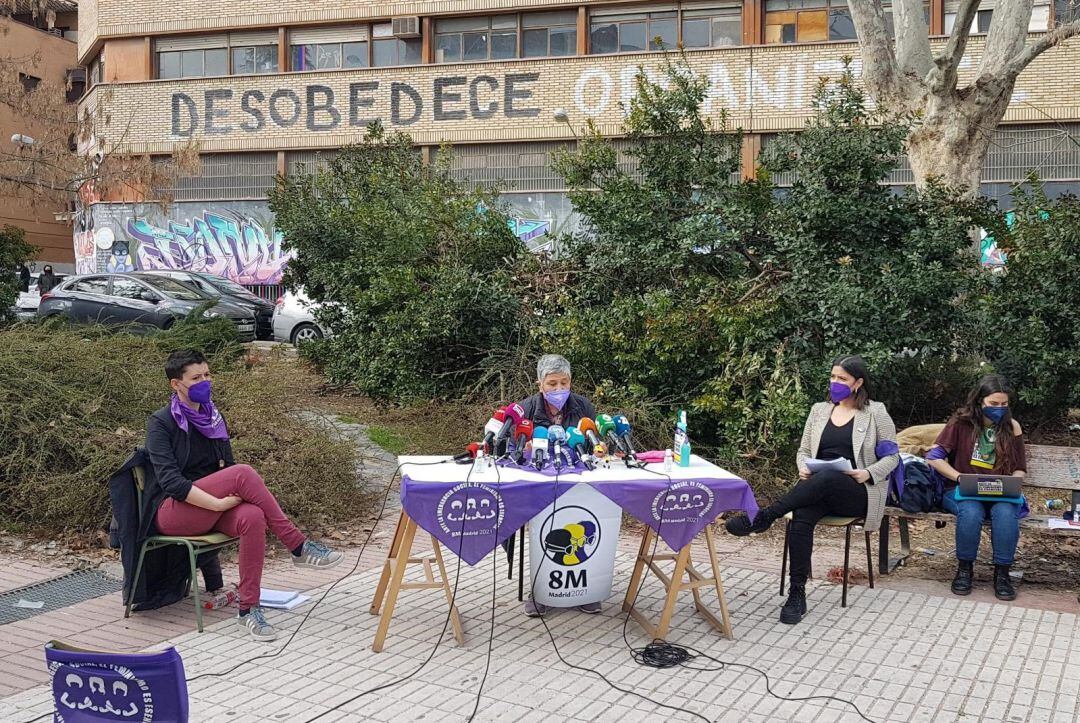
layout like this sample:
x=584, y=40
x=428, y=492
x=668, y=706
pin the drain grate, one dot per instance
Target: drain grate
x=59, y=592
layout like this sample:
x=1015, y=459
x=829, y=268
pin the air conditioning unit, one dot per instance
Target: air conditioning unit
x=407, y=27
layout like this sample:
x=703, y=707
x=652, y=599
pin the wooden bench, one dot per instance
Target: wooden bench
x=1049, y=468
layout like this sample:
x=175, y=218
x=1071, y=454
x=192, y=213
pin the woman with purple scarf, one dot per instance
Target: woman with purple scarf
x=202, y=490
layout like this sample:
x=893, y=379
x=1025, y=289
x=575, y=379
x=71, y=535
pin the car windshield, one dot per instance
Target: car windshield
x=227, y=285
x=172, y=288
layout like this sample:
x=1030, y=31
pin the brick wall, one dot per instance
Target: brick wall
x=763, y=89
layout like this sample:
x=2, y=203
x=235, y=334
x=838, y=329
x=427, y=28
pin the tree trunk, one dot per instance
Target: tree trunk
x=951, y=141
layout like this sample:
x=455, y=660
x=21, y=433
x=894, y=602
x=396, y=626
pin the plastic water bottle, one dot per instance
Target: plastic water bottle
x=1055, y=504
x=669, y=460
x=221, y=599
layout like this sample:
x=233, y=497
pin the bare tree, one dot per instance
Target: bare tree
x=956, y=125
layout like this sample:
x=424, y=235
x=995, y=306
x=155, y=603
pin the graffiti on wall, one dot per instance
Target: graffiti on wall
x=539, y=219
x=236, y=240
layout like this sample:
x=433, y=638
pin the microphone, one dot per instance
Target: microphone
x=491, y=430
x=540, y=447
x=576, y=441
x=622, y=429
x=513, y=414
x=469, y=454
x=606, y=425
x=523, y=434
x=558, y=438
x=588, y=428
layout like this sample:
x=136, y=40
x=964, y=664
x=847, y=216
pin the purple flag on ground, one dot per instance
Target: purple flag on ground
x=94, y=687
x=473, y=518
x=680, y=509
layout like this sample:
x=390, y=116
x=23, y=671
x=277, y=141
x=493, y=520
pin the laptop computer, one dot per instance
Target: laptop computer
x=989, y=487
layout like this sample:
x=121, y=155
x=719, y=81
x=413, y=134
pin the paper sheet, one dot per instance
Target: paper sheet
x=1057, y=523
x=275, y=598
x=298, y=600
x=840, y=465
x=29, y=604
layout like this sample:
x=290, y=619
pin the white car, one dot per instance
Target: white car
x=293, y=319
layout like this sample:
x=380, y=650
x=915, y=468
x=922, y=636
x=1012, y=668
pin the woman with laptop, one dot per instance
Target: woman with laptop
x=983, y=440
x=843, y=470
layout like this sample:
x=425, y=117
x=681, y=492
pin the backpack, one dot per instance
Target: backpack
x=918, y=489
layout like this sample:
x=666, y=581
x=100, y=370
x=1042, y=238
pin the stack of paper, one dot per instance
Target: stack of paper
x=840, y=465
x=281, y=599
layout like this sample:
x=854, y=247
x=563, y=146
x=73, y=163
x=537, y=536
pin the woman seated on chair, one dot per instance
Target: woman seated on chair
x=982, y=437
x=848, y=426
x=197, y=488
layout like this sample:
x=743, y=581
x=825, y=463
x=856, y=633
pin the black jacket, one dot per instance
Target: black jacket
x=165, y=570
x=47, y=282
x=576, y=408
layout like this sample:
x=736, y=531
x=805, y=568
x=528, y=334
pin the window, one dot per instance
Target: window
x=127, y=288
x=29, y=82
x=96, y=71
x=328, y=48
x=91, y=285
x=387, y=50
x=548, y=34
x=807, y=21
x=479, y=38
x=1066, y=11
x=632, y=32
x=216, y=55
x=712, y=27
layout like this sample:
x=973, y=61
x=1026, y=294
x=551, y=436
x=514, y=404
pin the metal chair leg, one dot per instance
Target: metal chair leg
x=869, y=560
x=783, y=557
x=521, y=564
x=510, y=558
x=195, y=586
x=847, y=551
x=135, y=582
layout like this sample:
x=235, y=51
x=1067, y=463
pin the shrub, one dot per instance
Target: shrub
x=14, y=251
x=418, y=273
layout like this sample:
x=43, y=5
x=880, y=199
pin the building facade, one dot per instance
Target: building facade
x=43, y=47
x=262, y=87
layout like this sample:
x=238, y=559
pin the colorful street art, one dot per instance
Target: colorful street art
x=236, y=240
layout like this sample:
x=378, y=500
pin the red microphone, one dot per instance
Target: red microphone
x=523, y=434
x=471, y=450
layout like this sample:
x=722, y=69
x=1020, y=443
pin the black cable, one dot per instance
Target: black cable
x=494, y=586
x=662, y=654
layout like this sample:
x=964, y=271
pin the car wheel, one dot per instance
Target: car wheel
x=306, y=332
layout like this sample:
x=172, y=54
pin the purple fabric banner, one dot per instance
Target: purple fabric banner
x=93, y=687
x=473, y=518
x=679, y=509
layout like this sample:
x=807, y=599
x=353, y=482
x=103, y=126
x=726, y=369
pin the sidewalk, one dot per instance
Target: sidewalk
x=897, y=655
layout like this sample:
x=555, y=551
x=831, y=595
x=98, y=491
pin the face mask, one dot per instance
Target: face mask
x=199, y=392
x=838, y=392
x=995, y=414
x=557, y=399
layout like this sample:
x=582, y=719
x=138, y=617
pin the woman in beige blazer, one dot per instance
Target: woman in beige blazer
x=848, y=426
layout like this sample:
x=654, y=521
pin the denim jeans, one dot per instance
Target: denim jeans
x=1004, y=527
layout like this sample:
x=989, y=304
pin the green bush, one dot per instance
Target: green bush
x=1026, y=319
x=418, y=273
x=14, y=251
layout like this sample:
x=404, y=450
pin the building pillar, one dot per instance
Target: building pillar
x=282, y=170
x=937, y=17
x=582, y=30
x=751, y=149
x=427, y=41
x=283, y=50
x=753, y=23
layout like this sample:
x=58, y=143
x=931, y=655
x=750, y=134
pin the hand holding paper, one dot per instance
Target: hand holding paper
x=840, y=465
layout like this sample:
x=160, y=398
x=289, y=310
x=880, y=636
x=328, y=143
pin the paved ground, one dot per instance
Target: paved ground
x=897, y=655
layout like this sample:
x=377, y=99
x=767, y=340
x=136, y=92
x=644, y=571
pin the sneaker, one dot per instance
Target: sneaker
x=255, y=623
x=591, y=608
x=534, y=609
x=317, y=555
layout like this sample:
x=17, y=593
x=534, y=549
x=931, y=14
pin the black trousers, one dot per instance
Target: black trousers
x=826, y=493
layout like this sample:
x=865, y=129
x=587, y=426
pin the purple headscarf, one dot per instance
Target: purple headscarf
x=207, y=419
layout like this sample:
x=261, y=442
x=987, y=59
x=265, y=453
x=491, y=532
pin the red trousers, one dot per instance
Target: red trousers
x=248, y=521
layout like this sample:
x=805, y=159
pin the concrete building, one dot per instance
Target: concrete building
x=44, y=47
x=262, y=86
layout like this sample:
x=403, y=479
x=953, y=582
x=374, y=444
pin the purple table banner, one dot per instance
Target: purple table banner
x=473, y=518
x=679, y=509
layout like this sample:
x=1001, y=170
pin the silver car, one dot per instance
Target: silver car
x=293, y=319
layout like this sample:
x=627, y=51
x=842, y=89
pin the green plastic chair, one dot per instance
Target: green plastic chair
x=196, y=545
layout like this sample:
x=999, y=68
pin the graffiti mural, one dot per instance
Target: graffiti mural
x=539, y=219
x=236, y=240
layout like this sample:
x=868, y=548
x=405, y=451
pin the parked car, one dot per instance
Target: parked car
x=25, y=307
x=218, y=287
x=293, y=319
x=138, y=298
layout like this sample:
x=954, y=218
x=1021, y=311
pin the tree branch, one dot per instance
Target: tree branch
x=1040, y=46
x=881, y=72
x=912, y=38
x=1008, y=33
x=942, y=77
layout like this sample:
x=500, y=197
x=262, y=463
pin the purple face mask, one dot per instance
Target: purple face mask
x=838, y=392
x=199, y=392
x=557, y=399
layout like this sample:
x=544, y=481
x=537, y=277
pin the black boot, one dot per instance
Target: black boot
x=961, y=584
x=1003, y=588
x=795, y=607
x=741, y=526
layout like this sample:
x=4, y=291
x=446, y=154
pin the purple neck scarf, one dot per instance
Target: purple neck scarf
x=207, y=419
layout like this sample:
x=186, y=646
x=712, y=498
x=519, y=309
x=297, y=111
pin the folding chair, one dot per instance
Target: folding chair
x=196, y=545
x=830, y=521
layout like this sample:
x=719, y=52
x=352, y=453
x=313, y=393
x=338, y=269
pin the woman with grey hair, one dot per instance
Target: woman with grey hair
x=554, y=403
